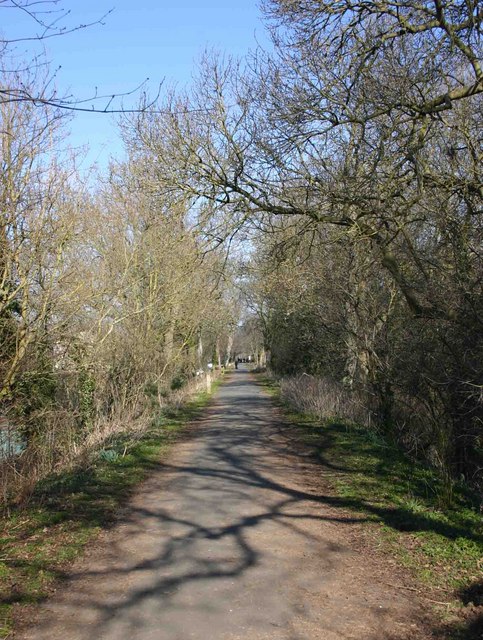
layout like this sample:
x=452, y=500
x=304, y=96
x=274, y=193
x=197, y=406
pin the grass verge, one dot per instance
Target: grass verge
x=40, y=540
x=401, y=502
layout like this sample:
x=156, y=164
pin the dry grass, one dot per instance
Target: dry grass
x=325, y=399
x=61, y=445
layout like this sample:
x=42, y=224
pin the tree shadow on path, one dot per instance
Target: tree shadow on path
x=215, y=517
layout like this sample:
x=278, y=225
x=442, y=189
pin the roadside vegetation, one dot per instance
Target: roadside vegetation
x=40, y=540
x=110, y=300
x=407, y=509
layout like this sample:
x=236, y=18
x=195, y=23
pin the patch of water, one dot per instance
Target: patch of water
x=11, y=442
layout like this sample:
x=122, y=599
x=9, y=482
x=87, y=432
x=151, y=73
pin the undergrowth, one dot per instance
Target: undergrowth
x=39, y=540
x=404, y=502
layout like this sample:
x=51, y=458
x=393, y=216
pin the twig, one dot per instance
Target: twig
x=401, y=586
x=419, y=592
x=447, y=604
x=19, y=524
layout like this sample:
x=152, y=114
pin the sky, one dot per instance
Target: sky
x=156, y=39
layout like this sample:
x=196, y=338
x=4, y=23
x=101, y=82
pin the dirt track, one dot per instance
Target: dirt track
x=233, y=538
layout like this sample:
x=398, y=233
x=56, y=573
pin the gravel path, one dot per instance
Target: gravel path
x=232, y=538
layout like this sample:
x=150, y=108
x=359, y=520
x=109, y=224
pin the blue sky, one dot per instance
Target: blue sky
x=145, y=38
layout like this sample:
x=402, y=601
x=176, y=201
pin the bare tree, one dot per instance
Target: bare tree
x=46, y=20
x=364, y=119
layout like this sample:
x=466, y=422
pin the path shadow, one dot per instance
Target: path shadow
x=230, y=489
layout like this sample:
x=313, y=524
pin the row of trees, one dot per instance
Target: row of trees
x=352, y=151
x=110, y=298
x=349, y=154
